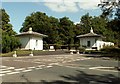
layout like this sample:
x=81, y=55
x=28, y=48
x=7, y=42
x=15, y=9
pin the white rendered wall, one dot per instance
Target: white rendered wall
x=29, y=42
x=36, y=45
x=101, y=44
x=93, y=40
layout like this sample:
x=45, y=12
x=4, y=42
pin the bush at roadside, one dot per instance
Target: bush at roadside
x=111, y=51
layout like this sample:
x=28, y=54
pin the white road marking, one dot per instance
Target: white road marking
x=41, y=65
x=2, y=74
x=71, y=66
x=10, y=68
x=77, y=59
x=99, y=67
x=82, y=59
x=27, y=70
x=106, y=70
x=30, y=67
x=49, y=66
x=75, y=67
x=2, y=69
x=2, y=66
x=13, y=73
x=53, y=63
x=5, y=71
x=102, y=69
x=19, y=69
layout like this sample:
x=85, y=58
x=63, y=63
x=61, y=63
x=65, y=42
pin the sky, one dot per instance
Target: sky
x=19, y=9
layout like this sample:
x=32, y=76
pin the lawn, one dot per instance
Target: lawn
x=35, y=53
x=19, y=53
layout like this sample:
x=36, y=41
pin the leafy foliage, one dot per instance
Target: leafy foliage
x=111, y=51
x=99, y=24
x=9, y=42
x=60, y=31
x=112, y=8
x=63, y=31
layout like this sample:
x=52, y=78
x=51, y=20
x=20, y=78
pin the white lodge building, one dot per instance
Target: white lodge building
x=93, y=41
x=31, y=40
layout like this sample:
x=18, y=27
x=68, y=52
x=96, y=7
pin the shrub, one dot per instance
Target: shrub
x=45, y=46
x=57, y=46
x=111, y=51
x=9, y=43
x=81, y=49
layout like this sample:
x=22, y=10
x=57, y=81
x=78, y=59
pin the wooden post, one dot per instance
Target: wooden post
x=71, y=52
x=31, y=53
x=14, y=55
x=78, y=52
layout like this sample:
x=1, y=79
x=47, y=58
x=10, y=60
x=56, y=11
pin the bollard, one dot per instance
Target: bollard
x=14, y=55
x=78, y=52
x=31, y=53
x=71, y=52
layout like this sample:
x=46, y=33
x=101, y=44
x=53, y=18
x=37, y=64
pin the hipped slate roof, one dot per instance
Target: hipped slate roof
x=91, y=34
x=30, y=32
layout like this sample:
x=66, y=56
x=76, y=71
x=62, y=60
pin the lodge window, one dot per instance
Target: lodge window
x=36, y=42
x=88, y=43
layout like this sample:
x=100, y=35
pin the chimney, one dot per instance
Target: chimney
x=30, y=30
x=91, y=31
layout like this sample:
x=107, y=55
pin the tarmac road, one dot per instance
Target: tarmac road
x=58, y=69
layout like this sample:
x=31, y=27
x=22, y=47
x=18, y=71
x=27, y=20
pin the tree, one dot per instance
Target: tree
x=85, y=23
x=66, y=31
x=53, y=31
x=59, y=31
x=38, y=21
x=9, y=42
x=110, y=8
x=41, y=23
x=99, y=24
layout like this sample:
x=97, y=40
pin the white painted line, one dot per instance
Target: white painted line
x=5, y=71
x=99, y=67
x=30, y=67
x=49, y=66
x=82, y=59
x=10, y=68
x=73, y=60
x=41, y=65
x=13, y=73
x=77, y=59
x=72, y=67
x=3, y=66
x=88, y=58
x=102, y=69
x=106, y=70
x=53, y=63
x=27, y=70
x=19, y=69
x=2, y=74
x=75, y=67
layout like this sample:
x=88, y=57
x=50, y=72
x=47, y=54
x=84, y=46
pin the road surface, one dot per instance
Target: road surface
x=67, y=69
